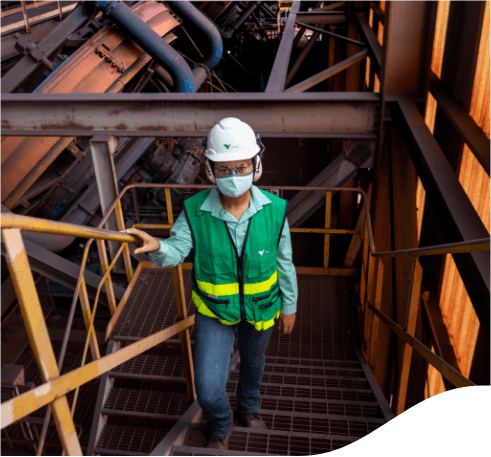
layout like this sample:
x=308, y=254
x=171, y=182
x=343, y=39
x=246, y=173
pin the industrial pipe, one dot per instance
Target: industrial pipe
x=151, y=42
x=198, y=18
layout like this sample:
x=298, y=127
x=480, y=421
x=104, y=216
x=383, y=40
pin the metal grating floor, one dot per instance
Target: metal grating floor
x=315, y=397
x=322, y=329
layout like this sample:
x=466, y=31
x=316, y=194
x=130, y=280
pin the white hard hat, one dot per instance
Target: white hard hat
x=231, y=139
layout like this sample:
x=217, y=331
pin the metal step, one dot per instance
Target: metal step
x=275, y=442
x=152, y=367
x=146, y=404
x=316, y=393
x=313, y=381
x=346, y=408
x=192, y=450
x=129, y=440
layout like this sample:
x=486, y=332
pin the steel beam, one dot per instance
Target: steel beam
x=459, y=219
x=276, y=81
x=336, y=174
x=323, y=17
x=327, y=73
x=463, y=123
x=335, y=114
x=331, y=34
x=369, y=37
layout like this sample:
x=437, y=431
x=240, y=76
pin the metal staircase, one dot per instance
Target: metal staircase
x=317, y=391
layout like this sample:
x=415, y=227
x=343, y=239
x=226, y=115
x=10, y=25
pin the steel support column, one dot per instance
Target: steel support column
x=102, y=150
x=276, y=81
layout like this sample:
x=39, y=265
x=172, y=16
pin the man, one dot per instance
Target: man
x=243, y=277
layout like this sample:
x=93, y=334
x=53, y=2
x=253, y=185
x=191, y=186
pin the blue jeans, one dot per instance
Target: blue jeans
x=213, y=347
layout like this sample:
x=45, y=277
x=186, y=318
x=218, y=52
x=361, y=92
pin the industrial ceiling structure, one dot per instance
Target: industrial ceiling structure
x=375, y=119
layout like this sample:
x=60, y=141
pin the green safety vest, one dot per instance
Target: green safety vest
x=232, y=286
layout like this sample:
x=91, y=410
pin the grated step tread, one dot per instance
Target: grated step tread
x=130, y=440
x=141, y=402
x=278, y=442
x=312, y=392
x=347, y=408
x=193, y=450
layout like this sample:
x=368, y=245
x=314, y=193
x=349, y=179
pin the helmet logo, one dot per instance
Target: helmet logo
x=227, y=145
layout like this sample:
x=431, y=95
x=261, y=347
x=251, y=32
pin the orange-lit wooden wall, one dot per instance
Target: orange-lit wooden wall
x=457, y=311
x=456, y=308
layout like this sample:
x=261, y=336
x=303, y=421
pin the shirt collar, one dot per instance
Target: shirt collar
x=214, y=206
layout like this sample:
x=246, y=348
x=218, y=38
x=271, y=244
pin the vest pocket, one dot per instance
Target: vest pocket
x=269, y=303
x=263, y=297
x=216, y=267
x=267, y=311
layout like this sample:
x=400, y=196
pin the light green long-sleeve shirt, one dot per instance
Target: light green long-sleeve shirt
x=176, y=248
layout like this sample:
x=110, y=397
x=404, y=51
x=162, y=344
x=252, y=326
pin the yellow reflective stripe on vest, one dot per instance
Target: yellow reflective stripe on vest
x=264, y=325
x=259, y=287
x=218, y=290
x=203, y=309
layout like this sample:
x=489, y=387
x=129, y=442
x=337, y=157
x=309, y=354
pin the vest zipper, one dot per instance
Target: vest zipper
x=256, y=299
x=240, y=265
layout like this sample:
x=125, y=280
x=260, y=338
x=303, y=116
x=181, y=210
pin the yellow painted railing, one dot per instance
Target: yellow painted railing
x=55, y=387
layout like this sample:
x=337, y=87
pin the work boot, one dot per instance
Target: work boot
x=251, y=420
x=219, y=442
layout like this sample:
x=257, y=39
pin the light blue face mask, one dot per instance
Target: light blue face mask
x=235, y=185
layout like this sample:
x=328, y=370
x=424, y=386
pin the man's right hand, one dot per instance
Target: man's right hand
x=150, y=244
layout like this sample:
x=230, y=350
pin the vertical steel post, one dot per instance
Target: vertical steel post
x=60, y=12
x=383, y=85
x=379, y=285
x=26, y=17
x=413, y=299
x=37, y=332
x=102, y=149
x=182, y=312
x=276, y=81
x=327, y=225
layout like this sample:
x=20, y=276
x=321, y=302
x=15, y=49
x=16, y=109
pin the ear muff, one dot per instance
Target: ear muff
x=258, y=168
x=209, y=171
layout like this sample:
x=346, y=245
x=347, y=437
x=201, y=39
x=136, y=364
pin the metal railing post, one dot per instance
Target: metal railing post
x=327, y=225
x=182, y=312
x=101, y=247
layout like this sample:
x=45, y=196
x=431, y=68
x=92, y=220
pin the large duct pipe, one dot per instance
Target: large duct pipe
x=201, y=71
x=151, y=42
